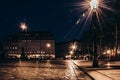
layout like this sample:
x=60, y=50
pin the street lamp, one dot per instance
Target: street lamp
x=48, y=51
x=109, y=54
x=71, y=53
x=48, y=45
x=93, y=9
x=23, y=26
x=73, y=46
x=94, y=6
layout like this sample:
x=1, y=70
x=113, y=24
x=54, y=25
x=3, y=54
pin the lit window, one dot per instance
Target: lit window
x=15, y=47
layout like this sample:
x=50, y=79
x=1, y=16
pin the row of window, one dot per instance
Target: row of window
x=35, y=52
x=13, y=48
x=33, y=41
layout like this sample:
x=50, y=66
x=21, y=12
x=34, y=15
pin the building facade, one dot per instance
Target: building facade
x=33, y=44
x=68, y=50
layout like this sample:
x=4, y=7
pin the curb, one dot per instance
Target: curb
x=84, y=70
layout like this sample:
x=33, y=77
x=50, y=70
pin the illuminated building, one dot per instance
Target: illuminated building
x=71, y=49
x=35, y=44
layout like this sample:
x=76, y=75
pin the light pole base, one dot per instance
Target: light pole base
x=95, y=64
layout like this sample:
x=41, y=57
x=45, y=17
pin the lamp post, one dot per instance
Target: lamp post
x=71, y=53
x=94, y=6
x=116, y=42
x=48, y=45
x=23, y=27
x=73, y=48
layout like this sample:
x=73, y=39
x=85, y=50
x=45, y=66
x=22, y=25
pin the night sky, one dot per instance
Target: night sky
x=54, y=16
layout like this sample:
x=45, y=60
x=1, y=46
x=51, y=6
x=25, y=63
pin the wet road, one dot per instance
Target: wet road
x=41, y=70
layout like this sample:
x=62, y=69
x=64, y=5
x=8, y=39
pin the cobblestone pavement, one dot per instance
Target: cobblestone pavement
x=41, y=70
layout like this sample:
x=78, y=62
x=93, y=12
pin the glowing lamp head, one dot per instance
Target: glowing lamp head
x=71, y=52
x=108, y=51
x=23, y=26
x=48, y=45
x=74, y=47
x=94, y=4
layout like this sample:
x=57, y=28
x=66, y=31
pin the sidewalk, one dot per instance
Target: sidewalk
x=105, y=73
x=98, y=76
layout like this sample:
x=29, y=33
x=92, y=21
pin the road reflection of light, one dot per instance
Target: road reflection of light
x=68, y=76
x=71, y=72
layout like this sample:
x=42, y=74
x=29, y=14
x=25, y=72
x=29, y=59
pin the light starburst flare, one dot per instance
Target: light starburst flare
x=23, y=26
x=73, y=46
x=94, y=4
x=87, y=7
